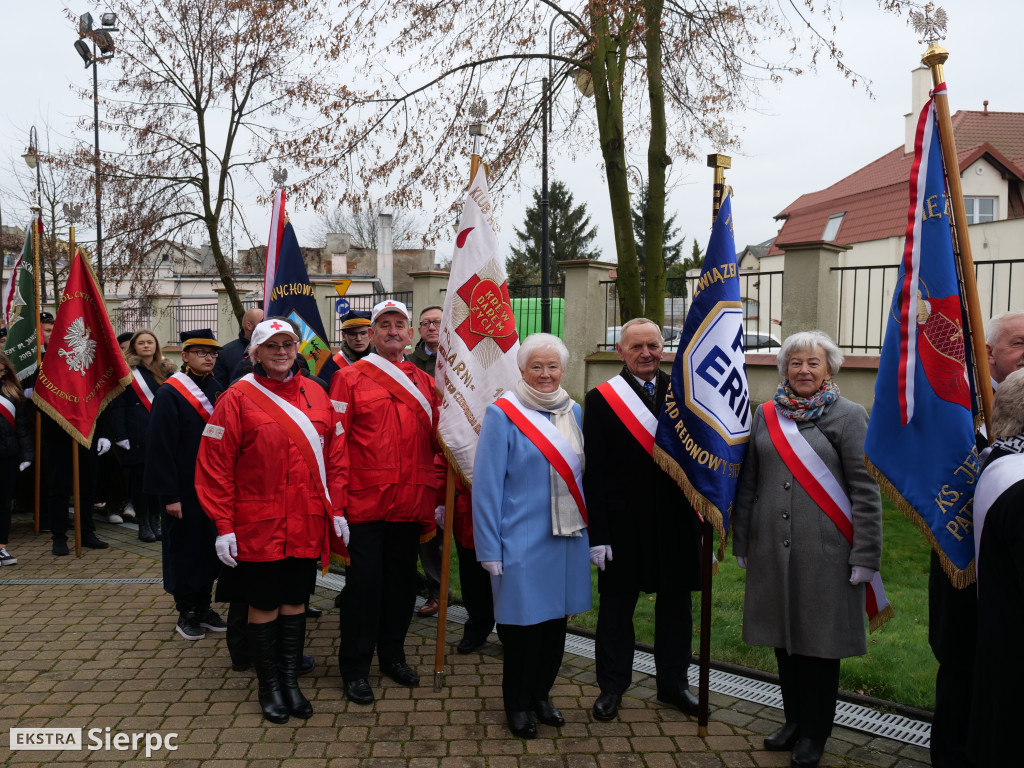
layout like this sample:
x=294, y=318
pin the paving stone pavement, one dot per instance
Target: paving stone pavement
x=101, y=656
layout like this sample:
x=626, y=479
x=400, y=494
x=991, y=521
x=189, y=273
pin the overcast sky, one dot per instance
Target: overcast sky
x=802, y=136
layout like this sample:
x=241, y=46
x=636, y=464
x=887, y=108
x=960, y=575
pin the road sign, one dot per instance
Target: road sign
x=341, y=305
x=341, y=286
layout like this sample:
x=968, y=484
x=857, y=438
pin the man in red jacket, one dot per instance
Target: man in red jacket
x=389, y=414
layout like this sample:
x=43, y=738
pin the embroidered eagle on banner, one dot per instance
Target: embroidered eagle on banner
x=81, y=349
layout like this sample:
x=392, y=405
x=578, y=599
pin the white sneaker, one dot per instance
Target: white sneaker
x=6, y=558
x=128, y=511
x=114, y=518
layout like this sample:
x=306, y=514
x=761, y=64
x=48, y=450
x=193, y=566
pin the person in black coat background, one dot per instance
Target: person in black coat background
x=176, y=424
x=644, y=535
x=129, y=422
x=17, y=449
x=233, y=352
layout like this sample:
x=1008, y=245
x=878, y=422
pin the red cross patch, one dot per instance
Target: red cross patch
x=275, y=325
x=490, y=313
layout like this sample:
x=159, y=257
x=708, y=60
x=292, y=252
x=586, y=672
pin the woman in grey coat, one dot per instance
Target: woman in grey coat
x=805, y=590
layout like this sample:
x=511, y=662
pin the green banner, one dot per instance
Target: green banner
x=20, y=343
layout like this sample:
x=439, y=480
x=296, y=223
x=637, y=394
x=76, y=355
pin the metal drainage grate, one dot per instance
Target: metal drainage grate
x=80, y=581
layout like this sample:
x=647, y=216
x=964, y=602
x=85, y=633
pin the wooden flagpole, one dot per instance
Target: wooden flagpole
x=934, y=58
x=719, y=163
x=38, y=211
x=74, y=448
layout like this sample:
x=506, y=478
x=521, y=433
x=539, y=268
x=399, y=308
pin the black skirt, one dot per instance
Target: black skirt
x=267, y=585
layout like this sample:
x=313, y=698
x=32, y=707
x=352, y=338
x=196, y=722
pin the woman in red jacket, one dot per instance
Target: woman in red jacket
x=266, y=475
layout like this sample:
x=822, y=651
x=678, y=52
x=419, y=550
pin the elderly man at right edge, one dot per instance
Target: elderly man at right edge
x=644, y=534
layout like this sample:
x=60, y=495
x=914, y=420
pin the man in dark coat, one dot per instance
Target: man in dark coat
x=231, y=355
x=180, y=411
x=644, y=535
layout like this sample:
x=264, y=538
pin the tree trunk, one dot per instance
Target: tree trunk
x=606, y=71
x=224, y=269
x=657, y=159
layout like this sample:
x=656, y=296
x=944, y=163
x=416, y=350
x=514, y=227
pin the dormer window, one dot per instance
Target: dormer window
x=980, y=209
x=832, y=228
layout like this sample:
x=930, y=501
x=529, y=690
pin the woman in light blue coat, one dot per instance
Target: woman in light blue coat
x=530, y=531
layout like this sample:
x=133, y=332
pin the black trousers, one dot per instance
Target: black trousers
x=810, y=687
x=8, y=480
x=673, y=640
x=533, y=656
x=57, y=472
x=379, y=595
x=476, y=595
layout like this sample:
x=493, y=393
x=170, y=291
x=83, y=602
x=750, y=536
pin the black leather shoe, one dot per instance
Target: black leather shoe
x=359, y=691
x=607, y=706
x=469, y=644
x=807, y=753
x=313, y=613
x=521, y=724
x=547, y=714
x=92, y=541
x=60, y=547
x=783, y=739
x=682, y=699
x=306, y=665
x=401, y=673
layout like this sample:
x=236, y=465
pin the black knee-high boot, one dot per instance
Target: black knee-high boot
x=291, y=636
x=786, y=737
x=818, y=683
x=263, y=647
x=238, y=644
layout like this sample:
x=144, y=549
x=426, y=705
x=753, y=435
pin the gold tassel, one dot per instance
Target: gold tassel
x=881, y=618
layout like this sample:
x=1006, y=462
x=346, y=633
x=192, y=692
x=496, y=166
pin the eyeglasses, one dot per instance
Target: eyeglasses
x=357, y=334
x=205, y=352
x=430, y=324
x=273, y=347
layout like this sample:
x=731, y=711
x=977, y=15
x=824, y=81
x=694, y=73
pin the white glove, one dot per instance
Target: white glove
x=123, y=444
x=102, y=446
x=493, y=567
x=341, y=529
x=24, y=465
x=741, y=561
x=439, y=515
x=227, y=549
x=861, y=575
x=600, y=554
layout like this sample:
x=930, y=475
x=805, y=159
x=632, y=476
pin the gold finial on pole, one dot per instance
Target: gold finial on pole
x=933, y=24
x=719, y=162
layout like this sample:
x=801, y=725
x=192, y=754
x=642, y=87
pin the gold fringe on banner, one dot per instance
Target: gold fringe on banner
x=452, y=463
x=960, y=578
x=701, y=505
x=881, y=618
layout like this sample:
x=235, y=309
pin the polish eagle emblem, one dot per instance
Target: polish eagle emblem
x=81, y=351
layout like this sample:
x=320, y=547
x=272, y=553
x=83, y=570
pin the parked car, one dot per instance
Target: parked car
x=758, y=340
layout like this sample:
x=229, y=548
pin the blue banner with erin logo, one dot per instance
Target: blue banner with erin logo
x=705, y=425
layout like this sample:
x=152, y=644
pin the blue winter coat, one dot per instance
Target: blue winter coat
x=546, y=577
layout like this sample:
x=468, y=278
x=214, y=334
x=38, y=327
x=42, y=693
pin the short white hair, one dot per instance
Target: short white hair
x=1008, y=407
x=806, y=341
x=995, y=325
x=541, y=342
x=636, y=321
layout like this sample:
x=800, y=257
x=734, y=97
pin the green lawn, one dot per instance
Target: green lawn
x=899, y=665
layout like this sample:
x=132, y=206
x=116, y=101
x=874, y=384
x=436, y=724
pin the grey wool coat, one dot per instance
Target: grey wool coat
x=798, y=594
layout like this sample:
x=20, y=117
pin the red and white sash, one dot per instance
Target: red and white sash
x=7, y=410
x=142, y=389
x=340, y=360
x=631, y=410
x=998, y=476
x=550, y=442
x=822, y=486
x=193, y=395
x=296, y=425
x=395, y=381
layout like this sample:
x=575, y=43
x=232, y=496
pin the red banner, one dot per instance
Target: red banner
x=83, y=368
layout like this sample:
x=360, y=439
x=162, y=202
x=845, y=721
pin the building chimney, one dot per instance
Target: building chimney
x=920, y=85
x=385, y=254
x=985, y=105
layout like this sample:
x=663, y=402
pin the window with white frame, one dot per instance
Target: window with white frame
x=832, y=228
x=980, y=209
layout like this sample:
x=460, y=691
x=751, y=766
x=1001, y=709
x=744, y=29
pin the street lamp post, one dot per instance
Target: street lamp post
x=102, y=39
x=32, y=160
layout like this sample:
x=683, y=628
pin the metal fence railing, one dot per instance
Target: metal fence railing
x=335, y=307
x=760, y=292
x=131, y=317
x=189, y=317
x=866, y=293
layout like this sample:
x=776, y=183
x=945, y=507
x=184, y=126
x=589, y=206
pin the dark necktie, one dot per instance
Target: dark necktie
x=649, y=388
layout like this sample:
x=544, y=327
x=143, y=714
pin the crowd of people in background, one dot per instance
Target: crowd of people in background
x=251, y=471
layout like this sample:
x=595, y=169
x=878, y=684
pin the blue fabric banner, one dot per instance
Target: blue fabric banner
x=292, y=296
x=705, y=425
x=920, y=444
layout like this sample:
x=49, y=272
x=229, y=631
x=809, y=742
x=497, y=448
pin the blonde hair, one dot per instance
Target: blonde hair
x=9, y=383
x=154, y=367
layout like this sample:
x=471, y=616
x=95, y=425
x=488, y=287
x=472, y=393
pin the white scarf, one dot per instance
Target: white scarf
x=566, y=519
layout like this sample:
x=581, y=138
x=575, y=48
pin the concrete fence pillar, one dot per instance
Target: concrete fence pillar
x=428, y=288
x=227, y=325
x=810, y=289
x=585, y=322
x=163, y=318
